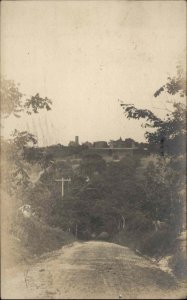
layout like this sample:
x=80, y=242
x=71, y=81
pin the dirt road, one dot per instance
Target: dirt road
x=91, y=270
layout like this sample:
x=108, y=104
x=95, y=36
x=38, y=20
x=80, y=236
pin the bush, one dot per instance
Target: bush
x=158, y=243
x=179, y=264
x=148, y=242
x=38, y=237
x=179, y=260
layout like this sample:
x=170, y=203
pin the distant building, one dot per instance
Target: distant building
x=71, y=143
x=87, y=145
x=117, y=144
x=127, y=143
x=100, y=144
x=74, y=143
x=77, y=140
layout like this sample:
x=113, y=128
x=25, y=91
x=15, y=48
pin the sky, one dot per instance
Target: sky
x=84, y=56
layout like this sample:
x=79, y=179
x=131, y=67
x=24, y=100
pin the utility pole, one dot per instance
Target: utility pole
x=64, y=180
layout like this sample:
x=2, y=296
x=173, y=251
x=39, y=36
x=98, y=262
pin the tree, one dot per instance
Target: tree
x=169, y=133
x=162, y=185
x=103, y=203
x=35, y=103
x=12, y=100
x=92, y=163
x=164, y=182
x=14, y=164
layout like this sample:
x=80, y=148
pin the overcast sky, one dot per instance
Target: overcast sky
x=84, y=56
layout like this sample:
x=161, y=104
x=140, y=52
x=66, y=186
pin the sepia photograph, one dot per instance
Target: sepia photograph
x=93, y=149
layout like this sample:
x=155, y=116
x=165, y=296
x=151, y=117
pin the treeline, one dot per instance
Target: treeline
x=60, y=151
x=112, y=198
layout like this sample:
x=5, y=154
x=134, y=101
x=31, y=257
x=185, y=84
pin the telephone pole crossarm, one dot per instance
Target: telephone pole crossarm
x=63, y=180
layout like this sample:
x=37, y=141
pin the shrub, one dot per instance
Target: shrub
x=38, y=238
x=158, y=243
x=179, y=264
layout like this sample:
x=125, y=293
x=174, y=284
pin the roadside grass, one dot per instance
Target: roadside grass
x=29, y=239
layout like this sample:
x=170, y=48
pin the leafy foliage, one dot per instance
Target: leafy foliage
x=133, y=112
x=92, y=163
x=164, y=180
x=176, y=84
x=162, y=186
x=15, y=168
x=102, y=203
x=23, y=139
x=35, y=103
x=10, y=98
x=170, y=133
